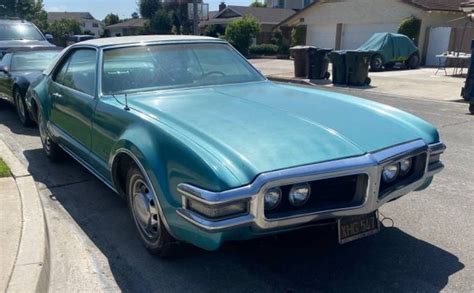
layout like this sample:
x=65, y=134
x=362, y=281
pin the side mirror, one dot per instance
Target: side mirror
x=4, y=69
x=49, y=37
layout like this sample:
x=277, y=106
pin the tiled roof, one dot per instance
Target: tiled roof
x=262, y=14
x=438, y=5
x=52, y=16
x=131, y=23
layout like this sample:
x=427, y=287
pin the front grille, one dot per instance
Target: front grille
x=326, y=194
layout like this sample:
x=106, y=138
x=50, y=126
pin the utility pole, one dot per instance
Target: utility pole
x=195, y=18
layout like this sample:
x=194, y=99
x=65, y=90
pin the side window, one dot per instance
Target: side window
x=79, y=71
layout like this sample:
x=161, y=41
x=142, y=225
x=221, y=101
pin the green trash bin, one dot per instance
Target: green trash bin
x=338, y=60
x=300, y=59
x=357, y=67
x=318, y=63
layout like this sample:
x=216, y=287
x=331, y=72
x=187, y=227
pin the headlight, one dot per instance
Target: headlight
x=299, y=194
x=405, y=166
x=390, y=172
x=218, y=211
x=272, y=198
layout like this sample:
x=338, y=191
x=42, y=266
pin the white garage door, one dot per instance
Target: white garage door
x=439, y=43
x=354, y=35
x=322, y=36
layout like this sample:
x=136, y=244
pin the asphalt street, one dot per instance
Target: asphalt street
x=429, y=248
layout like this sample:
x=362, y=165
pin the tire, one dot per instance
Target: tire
x=368, y=81
x=145, y=212
x=376, y=62
x=51, y=149
x=389, y=66
x=413, y=61
x=21, y=109
x=471, y=108
x=327, y=75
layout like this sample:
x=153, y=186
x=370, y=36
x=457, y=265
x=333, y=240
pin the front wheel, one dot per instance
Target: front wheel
x=376, y=62
x=51, y=149
x=145, y=212
x=413, y=62
x=21, y=109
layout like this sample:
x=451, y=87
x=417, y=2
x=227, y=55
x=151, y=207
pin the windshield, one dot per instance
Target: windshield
x=21, y=31
x=32, y=61
x=145, y=68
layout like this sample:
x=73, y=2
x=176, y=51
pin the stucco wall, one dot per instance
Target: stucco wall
x=357, y=11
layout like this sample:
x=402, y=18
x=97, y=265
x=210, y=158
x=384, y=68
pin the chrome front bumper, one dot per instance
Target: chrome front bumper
x=369, y=164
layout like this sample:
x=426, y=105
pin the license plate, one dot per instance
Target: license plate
x=356, y=227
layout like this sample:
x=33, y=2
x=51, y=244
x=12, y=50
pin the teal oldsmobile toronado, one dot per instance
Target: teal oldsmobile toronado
x=207, y=150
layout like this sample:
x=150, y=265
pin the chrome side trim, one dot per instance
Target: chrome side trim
x=369, y=164
x=89, y=168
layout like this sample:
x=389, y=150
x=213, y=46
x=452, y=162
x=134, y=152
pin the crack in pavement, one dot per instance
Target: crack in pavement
x=44, y=186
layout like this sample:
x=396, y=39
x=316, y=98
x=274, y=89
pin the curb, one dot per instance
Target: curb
x=31, y=269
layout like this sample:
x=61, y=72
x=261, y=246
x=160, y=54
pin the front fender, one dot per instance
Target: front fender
x=169, y=159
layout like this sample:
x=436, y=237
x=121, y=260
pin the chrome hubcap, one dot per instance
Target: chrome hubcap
x=145, y=210
x=44, y=138
x=19, y=105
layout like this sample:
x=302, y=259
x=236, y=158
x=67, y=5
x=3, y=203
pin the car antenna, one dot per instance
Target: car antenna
x=126, y=103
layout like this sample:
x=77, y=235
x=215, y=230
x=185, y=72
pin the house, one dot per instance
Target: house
x=87, y=22
x=128, y=27
x=289, y=4
x=347, y=24
x=268, y=18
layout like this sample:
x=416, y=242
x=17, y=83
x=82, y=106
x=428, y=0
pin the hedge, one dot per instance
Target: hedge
x=263, y=49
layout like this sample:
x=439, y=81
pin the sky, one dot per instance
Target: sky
x=124, y=8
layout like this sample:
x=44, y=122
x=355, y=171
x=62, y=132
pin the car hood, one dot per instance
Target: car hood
x=29, y=76
x=7, y=44
x=257, y=127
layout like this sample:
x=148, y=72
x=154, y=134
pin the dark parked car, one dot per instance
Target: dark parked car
x=78, y=38
x=389, y=49
x=16, y=33
x=18, y=69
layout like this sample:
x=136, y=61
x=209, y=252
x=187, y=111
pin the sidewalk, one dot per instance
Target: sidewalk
x=24, y=258
x=420, y=83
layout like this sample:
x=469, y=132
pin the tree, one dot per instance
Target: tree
x=111, y=19
x=256, y=3
x=241, y=32
x=410, y=27
x=30, y=10
x=160, y=23
x=63, y=28
x=135, y=15
x=148, y=8
x=214, y=30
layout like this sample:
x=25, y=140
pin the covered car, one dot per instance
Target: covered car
x=389, y=49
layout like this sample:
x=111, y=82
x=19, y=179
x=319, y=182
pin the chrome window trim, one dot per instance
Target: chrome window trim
x=370, y=164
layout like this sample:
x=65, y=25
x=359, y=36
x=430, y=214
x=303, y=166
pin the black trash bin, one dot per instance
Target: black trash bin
x=318, y=63
x=468, y=90
x=357, y=67
x=300, y=58
x=338, y=60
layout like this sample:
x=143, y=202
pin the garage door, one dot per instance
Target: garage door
x=354, y=35
x=439, y=43
x=322, y=36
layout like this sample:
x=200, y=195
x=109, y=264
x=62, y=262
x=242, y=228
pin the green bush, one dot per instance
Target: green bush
x=241, y=32
x=410, y=27
x=263, y=49
x=298, y=36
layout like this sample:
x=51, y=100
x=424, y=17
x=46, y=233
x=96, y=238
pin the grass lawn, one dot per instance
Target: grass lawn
x=4, y=170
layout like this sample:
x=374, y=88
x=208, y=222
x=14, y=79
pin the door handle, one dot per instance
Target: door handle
x=56, y=95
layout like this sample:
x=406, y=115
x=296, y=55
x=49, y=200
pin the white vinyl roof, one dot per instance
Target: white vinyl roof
x=103, y=42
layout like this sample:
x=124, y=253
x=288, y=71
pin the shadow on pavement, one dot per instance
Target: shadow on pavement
x=306, y=260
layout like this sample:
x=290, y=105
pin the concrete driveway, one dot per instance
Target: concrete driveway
x=94, y=246
x=420, y=83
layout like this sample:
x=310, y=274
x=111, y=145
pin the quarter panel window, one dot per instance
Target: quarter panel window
x=79, y=71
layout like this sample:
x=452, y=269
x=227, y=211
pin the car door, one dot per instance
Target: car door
x=72, y=92
x=6, y=78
